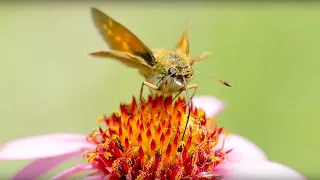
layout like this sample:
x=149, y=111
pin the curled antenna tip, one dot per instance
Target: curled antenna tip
x=227, y=84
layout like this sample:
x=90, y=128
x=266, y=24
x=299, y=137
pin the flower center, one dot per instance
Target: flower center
x=145, y=142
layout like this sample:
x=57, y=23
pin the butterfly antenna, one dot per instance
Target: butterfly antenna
x=217, y=79
x=192, y=17
x=190, y=22
x=188, y=106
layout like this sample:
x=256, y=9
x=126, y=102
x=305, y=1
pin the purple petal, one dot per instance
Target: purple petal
x=242, y=149
x=40, y=166
x=44, y=146
x=257, y=170
x=72, y=171
x=211, y=105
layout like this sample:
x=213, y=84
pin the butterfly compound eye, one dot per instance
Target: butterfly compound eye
x=171, y=70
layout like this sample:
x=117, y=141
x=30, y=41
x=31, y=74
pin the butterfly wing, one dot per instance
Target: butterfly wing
x=121, y=39
x=183, y=44
x=124, y=57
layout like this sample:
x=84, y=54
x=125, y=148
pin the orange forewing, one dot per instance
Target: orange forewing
x=184, y=42
x=120, y=38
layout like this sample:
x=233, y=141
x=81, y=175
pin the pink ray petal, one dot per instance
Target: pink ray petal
x=211, y=105
x=95, y=177
x=43, y=146
x=72, y=171
x=257, y=170
x=41, y=166
x=243, y=149
x=61, y=136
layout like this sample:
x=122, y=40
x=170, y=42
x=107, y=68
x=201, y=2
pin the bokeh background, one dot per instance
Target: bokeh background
x=268, y=51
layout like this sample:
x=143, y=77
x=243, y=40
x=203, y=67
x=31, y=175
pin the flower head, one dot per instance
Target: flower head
x=146, y=142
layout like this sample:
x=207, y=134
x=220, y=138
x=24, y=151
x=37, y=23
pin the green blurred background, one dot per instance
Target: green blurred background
x=269, y=52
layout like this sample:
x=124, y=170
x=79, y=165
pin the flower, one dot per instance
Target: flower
x=145, y=141
x=148, y=141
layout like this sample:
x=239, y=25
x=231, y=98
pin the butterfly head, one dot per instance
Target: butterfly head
x=174, y=69
x=178, y=74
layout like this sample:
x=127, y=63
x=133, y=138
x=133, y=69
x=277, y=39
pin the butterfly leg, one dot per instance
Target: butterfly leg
x=192, y=86
x=145, y=83
x=177, y=95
